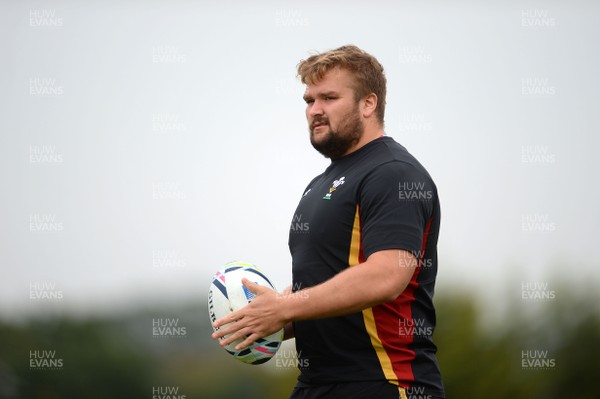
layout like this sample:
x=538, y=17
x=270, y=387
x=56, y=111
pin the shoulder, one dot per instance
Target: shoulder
x=393, y=161
x=396, y=173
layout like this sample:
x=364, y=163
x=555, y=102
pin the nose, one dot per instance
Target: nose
x=314, y=109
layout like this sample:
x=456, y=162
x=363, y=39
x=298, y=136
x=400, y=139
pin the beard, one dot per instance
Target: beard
x=336, y=143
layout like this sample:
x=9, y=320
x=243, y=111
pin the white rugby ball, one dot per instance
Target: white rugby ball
x=228, y=294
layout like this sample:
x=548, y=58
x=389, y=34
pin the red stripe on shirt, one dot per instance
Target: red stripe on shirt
x=387, y=319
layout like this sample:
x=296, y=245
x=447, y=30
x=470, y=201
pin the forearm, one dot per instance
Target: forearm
x=381, y=278
x=378, y=280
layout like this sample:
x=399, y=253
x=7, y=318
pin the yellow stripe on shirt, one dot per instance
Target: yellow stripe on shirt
x=368, y=317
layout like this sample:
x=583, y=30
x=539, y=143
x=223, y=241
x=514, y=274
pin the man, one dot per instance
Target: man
x=365, y=263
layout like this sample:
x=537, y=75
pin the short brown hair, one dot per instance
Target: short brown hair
x=366, y=69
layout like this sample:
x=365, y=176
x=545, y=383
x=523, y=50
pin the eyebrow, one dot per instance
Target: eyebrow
x=329, y=93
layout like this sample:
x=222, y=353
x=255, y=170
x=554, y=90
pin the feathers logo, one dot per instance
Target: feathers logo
x=334, y=187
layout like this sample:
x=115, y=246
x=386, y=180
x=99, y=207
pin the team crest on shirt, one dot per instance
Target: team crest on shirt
x=334, y=186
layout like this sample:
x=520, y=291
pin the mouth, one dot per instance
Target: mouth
x=318, y=125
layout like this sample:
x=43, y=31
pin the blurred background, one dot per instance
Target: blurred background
x=143, y=145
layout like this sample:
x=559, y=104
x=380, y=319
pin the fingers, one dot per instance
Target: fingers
x=242, y=324
x=249, y=341
x=230, y=318
x=253, y=287
x=232, y=327
x=224, y=327
x=248, y=284
x=241, y=334
x=235, y=333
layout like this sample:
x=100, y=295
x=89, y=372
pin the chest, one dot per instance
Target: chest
x=326, y=212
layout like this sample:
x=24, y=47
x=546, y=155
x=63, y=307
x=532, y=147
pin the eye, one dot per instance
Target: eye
x=329, y=98
x=309, y=100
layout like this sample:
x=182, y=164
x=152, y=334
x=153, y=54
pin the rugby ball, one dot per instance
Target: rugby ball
x=228, y=294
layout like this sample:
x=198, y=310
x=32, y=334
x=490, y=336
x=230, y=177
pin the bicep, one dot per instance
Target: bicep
x=394, y=267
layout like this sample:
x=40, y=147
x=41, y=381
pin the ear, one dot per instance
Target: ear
x=369, y=105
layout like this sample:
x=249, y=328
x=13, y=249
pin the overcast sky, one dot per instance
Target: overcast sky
x=145, y=144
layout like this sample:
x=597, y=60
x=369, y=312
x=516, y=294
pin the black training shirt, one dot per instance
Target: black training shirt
x=378, y=197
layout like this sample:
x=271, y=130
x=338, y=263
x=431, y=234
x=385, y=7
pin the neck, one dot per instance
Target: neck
x=368, y=135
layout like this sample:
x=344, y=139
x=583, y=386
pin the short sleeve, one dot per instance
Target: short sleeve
x=396, y=201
